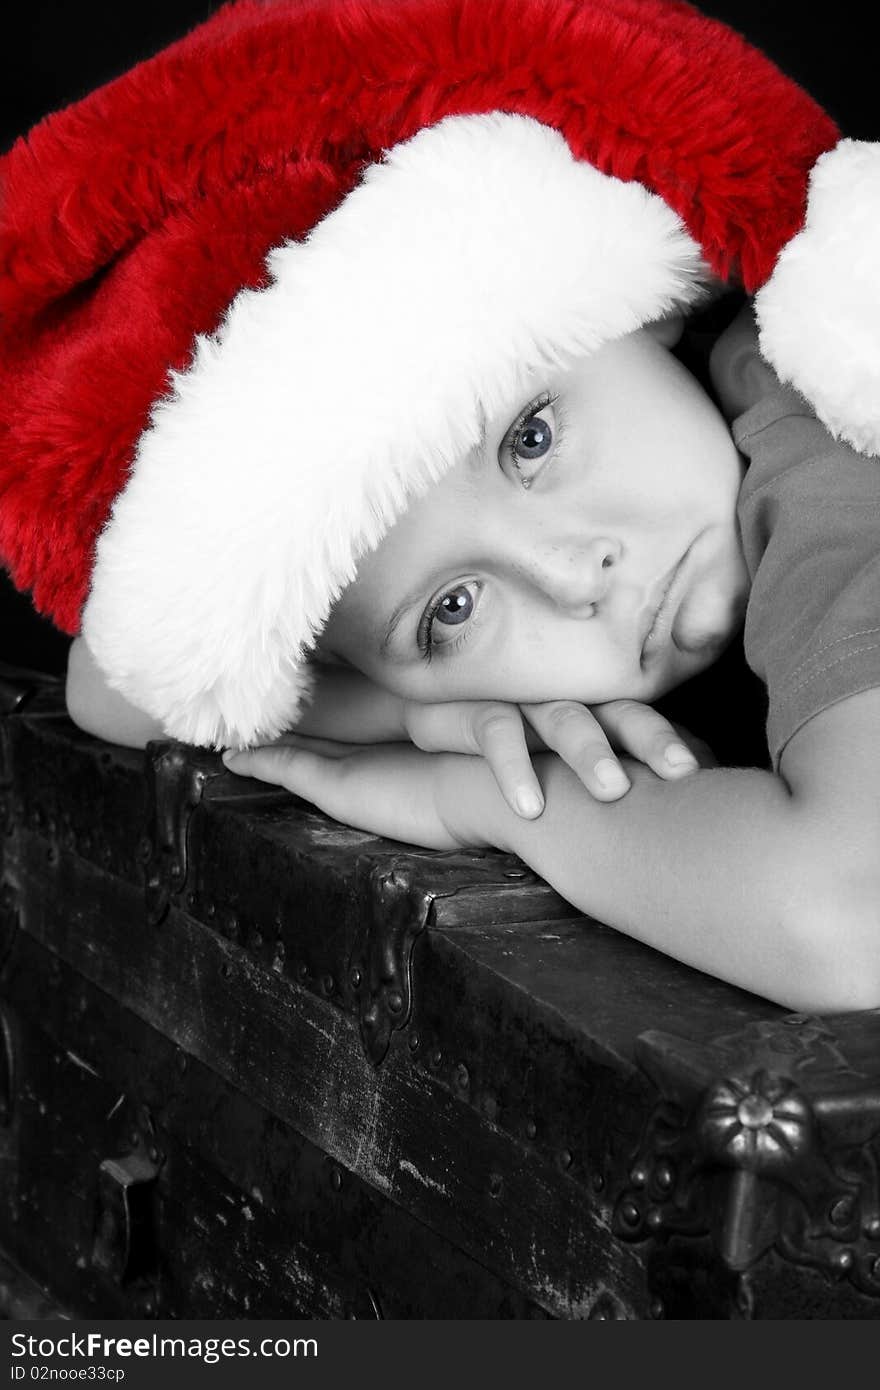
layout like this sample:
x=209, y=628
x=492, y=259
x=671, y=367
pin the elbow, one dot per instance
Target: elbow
x=100, y=711
x=833, y=937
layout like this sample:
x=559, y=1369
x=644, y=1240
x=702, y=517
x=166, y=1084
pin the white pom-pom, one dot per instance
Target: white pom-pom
x=819, y=313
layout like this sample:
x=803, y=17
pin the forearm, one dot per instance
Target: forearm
x=345, y=705
x=716, y=870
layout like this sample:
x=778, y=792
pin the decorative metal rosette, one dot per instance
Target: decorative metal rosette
x=760, y=1123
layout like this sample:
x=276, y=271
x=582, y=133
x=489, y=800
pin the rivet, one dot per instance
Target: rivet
x=875, y=1268
x=328, y=984
x=843, y=1260
x=638, y=1176
x=842, y=1211
x=135, y=1137
x=565, y=1158
x=531, y=1129
x=754, y=1111
x=630, y=1214
x=190, y=899
x=415, y=1042
x=210, y=911
x=872, y=1228
x=665, y=1175
x=462, y=1076
x=355, y=977
x=496, y=1182
x=436, y=1057
x=657, y=1310
x=153, y=1154
x=335, y=1179
x=597, y=1182
x=232, y=925
x=395, y=1001
x=654, y=1218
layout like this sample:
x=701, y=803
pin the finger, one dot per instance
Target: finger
x=327, y=747
x=498, y=733
x=490, y=729
x=571, y=731
x=639, y=730
x=698, y=746
x=306, y=774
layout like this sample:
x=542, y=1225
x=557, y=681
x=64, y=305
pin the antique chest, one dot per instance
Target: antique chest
x=256, y=1064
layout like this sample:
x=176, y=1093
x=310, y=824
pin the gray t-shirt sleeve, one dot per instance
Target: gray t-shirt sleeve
x=809, y=514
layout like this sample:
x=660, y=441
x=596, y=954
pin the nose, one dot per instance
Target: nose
x=576, y=573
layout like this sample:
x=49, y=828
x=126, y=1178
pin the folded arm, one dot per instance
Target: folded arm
x=769, y=881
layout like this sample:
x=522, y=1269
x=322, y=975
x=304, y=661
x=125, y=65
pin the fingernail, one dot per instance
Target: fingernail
x=227, y=756
x=611, y=776
x=677, y=755
x=529, y=803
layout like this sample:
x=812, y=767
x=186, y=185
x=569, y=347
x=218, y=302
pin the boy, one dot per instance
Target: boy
x=567, y=562
x=577, y=173
x=768, y=879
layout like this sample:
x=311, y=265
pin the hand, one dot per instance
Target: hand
x=443, y=801
x=583, y=738
x=739, y=373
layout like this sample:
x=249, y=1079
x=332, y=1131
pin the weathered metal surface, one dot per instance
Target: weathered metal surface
x=399, y=1052
x=769, y=1141
x=394, y=910
x=176, y=778
x=126, y=1244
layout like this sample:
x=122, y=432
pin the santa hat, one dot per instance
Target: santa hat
x=257, y=294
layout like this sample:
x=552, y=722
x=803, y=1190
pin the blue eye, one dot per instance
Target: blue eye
x=533, y=439
x=453, y=607
x=530, y=440
x=456, y=606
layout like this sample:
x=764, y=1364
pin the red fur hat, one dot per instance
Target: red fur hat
x=256, y=294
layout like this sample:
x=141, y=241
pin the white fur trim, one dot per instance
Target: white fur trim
x=473, y=253
x=819, y=313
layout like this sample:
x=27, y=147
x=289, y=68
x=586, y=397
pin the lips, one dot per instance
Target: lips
x=659, y=625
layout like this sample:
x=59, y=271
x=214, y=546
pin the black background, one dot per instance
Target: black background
x=55, y=51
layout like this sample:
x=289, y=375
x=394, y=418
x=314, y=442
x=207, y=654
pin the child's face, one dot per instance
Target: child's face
x=588, y=550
